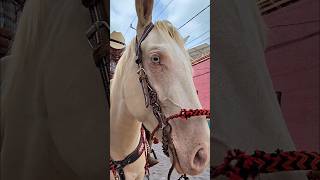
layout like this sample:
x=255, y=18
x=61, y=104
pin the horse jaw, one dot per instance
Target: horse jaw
x=191, y=139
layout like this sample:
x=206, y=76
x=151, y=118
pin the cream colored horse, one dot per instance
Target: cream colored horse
x=167, y=65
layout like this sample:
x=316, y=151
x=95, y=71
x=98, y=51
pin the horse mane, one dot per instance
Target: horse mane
x=166, y=28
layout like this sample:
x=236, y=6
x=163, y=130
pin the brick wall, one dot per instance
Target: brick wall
x=293, y=60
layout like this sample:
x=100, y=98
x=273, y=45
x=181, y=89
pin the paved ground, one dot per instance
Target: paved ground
x=160, y=171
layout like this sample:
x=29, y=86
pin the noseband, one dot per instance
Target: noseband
x=151, y=99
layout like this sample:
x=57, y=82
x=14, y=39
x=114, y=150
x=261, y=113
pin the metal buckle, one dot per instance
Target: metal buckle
x=94, y=28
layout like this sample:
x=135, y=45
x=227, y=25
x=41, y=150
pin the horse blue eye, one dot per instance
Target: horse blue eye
x=155, y=59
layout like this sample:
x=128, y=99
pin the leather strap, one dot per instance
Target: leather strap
x=145, y=33
x=132, y=157
x=98, y=39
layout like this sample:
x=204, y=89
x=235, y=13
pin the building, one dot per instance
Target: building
x=201, y=79
x=199, y=51
x=292, y=56
x=200, y=59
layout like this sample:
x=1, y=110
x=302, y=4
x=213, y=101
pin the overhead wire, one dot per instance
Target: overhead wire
x=202, y=41
x=166, y=6
x=195, y=15
x=197, y=37
x=130, y=25
x=156, y=5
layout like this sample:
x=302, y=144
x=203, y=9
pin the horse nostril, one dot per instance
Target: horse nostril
x=200, y=159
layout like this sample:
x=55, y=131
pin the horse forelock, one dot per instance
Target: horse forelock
x=167, y=29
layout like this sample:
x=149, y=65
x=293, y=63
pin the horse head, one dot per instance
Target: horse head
x=167, y=65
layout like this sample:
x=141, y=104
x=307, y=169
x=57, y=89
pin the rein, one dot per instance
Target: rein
x=118, y=166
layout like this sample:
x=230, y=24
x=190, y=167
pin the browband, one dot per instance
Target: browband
x=138, y=43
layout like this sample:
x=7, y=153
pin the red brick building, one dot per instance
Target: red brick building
x=201, y=79
x=293, y=60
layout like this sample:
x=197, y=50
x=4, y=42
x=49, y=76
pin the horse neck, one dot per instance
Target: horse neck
x=125, y=129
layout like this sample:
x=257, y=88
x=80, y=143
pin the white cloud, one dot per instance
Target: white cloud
x=178, y=12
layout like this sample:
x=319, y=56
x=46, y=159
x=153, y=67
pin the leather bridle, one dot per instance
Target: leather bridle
x=151, y=96
x=98, y=39
x=152, y=100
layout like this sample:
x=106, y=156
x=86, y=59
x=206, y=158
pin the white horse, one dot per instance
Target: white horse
x=168, y=68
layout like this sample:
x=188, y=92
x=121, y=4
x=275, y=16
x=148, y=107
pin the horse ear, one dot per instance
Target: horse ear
x=144, y=13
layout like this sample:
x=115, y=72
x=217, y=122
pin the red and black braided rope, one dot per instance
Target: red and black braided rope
x=238, y=165
x=185, y=114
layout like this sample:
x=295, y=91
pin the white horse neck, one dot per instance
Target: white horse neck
x=125, y=129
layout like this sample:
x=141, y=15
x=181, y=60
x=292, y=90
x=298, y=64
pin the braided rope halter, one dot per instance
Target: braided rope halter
x=151, y=100
x=240, y=166
x=98, y=39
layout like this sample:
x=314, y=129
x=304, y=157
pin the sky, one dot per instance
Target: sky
x=178, y=12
